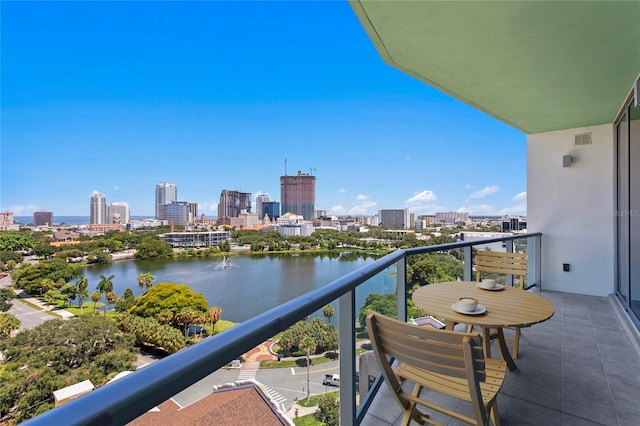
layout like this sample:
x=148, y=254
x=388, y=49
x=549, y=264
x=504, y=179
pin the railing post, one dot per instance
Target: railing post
x=534, y=276
x=468, y=263
x=347, y=344
x=509, y=249
x=401, y=288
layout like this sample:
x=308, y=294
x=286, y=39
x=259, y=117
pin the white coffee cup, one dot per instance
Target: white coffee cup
x=468, y=304
x=489, y=283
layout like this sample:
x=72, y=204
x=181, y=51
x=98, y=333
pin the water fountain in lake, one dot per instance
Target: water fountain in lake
x=224, y=264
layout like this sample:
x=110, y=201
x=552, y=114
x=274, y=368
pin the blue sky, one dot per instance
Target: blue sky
x=116, y=96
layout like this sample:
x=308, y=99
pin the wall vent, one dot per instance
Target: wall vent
x=583, y=139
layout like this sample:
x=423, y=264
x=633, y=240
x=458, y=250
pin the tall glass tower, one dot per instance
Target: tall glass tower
x=166, y=193
x=98, y=209
x=298, y=194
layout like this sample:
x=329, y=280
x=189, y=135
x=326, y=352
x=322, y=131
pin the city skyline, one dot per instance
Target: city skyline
x=219, y=95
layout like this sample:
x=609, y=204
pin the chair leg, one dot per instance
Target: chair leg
x=495, y=416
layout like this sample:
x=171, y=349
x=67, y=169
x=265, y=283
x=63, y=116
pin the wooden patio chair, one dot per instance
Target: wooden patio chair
x=447, y=362
x=507, y=264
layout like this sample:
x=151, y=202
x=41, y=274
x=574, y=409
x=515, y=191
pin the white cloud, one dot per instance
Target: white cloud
x=521, y=196
x=361, y=197
x=487, y=190
x=342, y=190
x=467, y=186
x=208, y=207
x=421, y=197
x=24, y=210
x=337, y=209
x=116, y=187
x=357, y=210
x=520, y=209
x=477, y=209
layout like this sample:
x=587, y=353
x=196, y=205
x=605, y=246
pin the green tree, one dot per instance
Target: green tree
x=328, y=411
x=386, y=304
x=145, y=280
x=56, y=353
x=54, y=297
x=95, y=297
x=82, y=291
x=43, y=250
x=6, y=295
x=308, y=346
x=153, y=248
x=328, y=312
x=28, y=277
x=16, y=240
x=70, y=292
x=225, y=246
x=171, y=296
x=105, y=285
x=8, y=323
x=100, y=257
x=126, y=301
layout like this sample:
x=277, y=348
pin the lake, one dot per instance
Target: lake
x=252, y=286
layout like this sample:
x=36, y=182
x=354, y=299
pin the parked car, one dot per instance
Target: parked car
x=4, y=275
x=331, y=380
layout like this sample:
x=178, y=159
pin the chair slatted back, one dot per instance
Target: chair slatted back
x=440, y=351
x=500, y=263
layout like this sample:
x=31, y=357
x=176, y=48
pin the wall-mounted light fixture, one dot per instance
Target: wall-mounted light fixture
x=566, y=160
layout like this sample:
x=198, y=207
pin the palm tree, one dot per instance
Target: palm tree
x=328, y=312
x=95, y=296
x=145, y=280
x=82, y=284
x=308, y=345
x=105, y=285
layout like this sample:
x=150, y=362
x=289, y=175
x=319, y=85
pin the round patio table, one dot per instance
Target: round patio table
x=506, y=307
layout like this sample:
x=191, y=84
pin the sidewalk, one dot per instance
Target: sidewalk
x=20, y=294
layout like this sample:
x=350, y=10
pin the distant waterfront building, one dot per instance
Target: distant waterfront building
x=233, y=202
x=98, y=209
x=195, y=239
x=43, y=218
x=260, y=200
x=451, y=218
x=298, y=194
x=6, y=220
x=271, y=208
x=290, y=224
x=514, y=224
x=181, y=213
x=166, y=193
x=118, y=212
x=395, y=218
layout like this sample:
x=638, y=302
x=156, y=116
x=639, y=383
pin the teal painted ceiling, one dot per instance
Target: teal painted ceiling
x=535, y=65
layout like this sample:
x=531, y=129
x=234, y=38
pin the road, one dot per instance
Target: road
x=29, y=316
x=284, y=385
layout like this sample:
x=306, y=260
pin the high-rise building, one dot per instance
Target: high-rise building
x=233, y=202
x=395, y=218
x=298, y=194
x=272, y=208
x=98, y=209
x=6, y=220
x=166, y=193
x=260, y=200
x=43, y=218
x=118, y=212
x=181, y=212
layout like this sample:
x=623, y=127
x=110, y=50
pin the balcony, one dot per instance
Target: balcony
x=579, y=367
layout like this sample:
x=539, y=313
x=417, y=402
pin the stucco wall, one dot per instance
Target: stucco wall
x=572, y=207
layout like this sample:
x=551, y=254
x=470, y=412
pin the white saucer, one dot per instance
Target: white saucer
x=479, y=309
x=497, y=287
